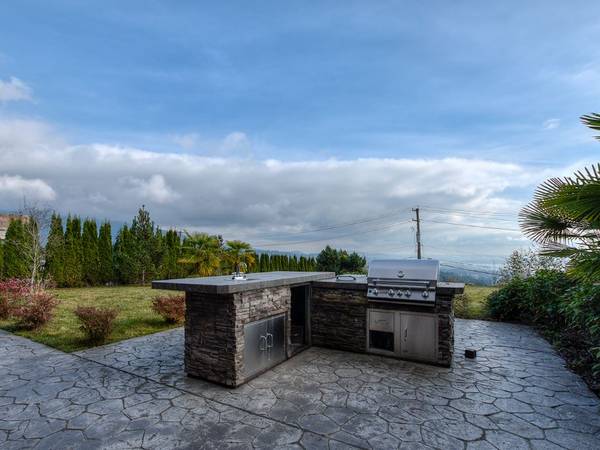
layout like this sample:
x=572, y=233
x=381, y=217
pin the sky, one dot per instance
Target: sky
x=299, y=124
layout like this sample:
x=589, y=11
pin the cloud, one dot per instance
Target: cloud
x=263, y=200
x=186, y=141
x=154, y=188
x=236, y=142
x=18, y=187
x=551, y=124
x=14, y=90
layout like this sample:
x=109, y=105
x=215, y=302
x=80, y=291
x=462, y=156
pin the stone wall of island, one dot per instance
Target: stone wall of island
x=339, y=317
x=214, y=330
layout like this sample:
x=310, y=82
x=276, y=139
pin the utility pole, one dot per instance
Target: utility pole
x=418, y=220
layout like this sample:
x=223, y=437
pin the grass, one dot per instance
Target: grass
x=473, y=304
x=135, y=318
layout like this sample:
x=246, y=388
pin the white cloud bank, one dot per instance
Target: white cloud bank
x=14, y=90
x=248, y=198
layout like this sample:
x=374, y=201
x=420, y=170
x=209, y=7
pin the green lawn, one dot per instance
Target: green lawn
x=473, y=304
x=136, y=318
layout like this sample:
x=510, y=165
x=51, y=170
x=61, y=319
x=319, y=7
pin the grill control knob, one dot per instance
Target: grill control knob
x=391, y=292
x=375, y=292
x=425, y=294
x=407, y=293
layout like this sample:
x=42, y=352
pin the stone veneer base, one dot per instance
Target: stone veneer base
x=339, y=320
x=214, y=330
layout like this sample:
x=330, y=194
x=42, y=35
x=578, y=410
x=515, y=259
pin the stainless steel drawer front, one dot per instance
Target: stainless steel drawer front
x=381, y=321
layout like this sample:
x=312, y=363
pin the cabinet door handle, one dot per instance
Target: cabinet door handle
x=269, y=342
x=405, y=334
x=262, y=347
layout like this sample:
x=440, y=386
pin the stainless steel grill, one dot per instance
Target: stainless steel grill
x=403, y=280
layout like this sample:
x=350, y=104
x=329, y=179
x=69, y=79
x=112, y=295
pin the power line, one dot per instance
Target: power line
x=332, y=237
x=340, y=225
x=472, y=226
x=464, y=211
x=469, y=270
x=469, y=215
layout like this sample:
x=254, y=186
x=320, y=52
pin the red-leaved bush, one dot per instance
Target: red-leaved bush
x=96, y=323
x=10, y=292
x=171, y=308
x=34, y=309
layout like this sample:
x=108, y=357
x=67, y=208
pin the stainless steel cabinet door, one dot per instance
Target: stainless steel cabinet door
x=418, y=336
x=264, y=344
x=276, y=340
x=255, y=346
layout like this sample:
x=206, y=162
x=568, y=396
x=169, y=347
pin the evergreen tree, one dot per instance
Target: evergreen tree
x=105, y=254
x=170, y=267
x=126, y=262
x=73, y=271
x=89, y=252
x=1, y=260
x=328, y=260
x=142, y=231
x=55, y=251
x=15, y=265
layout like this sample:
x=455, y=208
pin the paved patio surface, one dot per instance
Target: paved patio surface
x=517, y=394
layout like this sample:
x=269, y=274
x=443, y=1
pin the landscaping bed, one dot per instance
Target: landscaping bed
x=135, y=316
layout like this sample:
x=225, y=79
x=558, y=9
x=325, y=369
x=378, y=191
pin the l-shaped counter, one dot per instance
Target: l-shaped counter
x=237, y=329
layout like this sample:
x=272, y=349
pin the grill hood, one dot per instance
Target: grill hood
x=403, y=281
x=405, y=269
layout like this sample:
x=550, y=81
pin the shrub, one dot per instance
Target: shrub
x=507, y=303
x=34, y=309
x=96, y=323
x=461, y=305
x=535, y=299
x=171, y=308
x=10, y=292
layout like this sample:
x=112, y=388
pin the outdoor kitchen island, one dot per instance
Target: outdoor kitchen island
x=236, y=329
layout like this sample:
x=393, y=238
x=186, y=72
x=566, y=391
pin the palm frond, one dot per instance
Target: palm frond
x=592, y=121
x=577, y=197
x=544, y=226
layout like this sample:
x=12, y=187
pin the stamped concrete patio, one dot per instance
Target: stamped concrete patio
x=517, y=394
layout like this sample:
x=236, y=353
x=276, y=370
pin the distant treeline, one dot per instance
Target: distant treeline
x=78, y=253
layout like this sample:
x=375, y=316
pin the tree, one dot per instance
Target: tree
x=73, y=271
x=564, y=217
x=526, y=263
x=352, y=263
x=142, y=231
x=105, y=254
x=328, y=260
x=36, y=221
x=14, y=261
x=1, y=260
x=89, y=252
x=55, y=251
x=239, y=255
x=203, y=252
x=126, y=264
x=170, y=267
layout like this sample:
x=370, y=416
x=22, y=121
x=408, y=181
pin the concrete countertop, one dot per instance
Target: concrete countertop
x=360, y=283
x=226, y=285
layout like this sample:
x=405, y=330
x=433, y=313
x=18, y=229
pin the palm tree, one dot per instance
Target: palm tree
x=204, y=252
x=239, y=254
x=564, y=217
